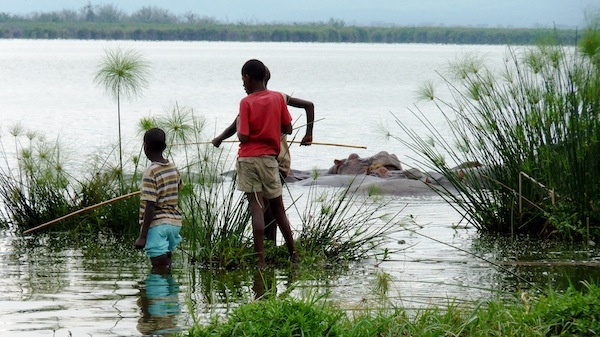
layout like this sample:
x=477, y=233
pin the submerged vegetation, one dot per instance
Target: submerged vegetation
x=151, y=23
x=530, y=132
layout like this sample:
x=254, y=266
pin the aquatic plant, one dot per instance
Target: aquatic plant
x=123, y=73
x=343, y=225
x=528, y=136
x=217, y=219
x=39, y=183
x=337, y=225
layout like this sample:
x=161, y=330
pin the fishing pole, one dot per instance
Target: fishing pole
x=85, y=209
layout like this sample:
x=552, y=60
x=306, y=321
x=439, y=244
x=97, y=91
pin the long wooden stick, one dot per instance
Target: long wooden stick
x=330, y=144
x=81, y=211
x=294, y=141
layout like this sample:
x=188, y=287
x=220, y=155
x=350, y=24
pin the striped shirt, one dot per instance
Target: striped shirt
x=161, y=183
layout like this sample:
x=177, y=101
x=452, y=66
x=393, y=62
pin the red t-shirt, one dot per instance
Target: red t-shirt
x=262, y=114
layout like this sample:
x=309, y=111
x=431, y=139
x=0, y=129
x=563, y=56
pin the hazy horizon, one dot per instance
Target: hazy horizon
x=476, y=13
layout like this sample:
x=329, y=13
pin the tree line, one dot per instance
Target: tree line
x=152, y=23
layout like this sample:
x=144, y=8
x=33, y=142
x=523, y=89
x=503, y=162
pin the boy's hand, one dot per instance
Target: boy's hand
x=140, y=243
x=216, y=142
x=306, y=141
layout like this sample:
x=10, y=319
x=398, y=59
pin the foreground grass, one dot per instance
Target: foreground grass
x=572, y=313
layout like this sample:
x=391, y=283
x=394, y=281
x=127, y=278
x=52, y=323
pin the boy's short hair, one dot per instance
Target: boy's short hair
x=255, y=69
x=155, y=138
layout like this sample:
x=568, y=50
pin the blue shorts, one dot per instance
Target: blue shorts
x=162, y=239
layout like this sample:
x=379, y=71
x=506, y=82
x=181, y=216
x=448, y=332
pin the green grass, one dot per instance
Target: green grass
x=572, y=313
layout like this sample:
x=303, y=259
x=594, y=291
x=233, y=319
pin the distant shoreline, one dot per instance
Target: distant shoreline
x=107, y=22
x=280, y=33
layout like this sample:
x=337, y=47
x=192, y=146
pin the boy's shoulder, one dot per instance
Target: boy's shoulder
x=156, y=167
x=263, y=93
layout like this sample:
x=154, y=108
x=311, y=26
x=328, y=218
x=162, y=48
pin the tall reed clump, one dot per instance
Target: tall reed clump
x=37, y=190
x=533, y=128
x=39, y=183
x=336, y=226
x=343, y=225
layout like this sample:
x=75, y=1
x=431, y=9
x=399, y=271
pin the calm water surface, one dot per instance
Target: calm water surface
x=56, y=288
x=48, y=87
x=50, y=287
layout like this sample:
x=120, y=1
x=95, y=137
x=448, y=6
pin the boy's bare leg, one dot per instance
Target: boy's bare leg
x=258, y=226
x=278, y=210
x=161, y=262
x=270, y=224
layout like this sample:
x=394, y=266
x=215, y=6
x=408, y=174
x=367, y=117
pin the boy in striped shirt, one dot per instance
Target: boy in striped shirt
x=160, y=218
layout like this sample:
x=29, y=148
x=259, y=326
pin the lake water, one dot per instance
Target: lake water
x=48, y=86
x=50, y=288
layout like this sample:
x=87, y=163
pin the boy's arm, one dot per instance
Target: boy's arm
x=228, y=132
x=241, y=137
x=286, y=118
x=148, y=216
x=309, y=108
x=243, y=129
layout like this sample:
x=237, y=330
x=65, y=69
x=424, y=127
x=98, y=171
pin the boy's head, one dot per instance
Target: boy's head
x=155, y=141
x=255, y=69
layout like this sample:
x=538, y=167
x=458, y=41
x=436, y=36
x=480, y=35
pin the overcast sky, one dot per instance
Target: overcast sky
x=486, y=13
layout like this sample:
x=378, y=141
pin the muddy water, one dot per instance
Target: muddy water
x=52, y=286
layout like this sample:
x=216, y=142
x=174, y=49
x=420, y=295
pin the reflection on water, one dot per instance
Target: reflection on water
x=524, y=262
x=60, y=286
x=159, y=304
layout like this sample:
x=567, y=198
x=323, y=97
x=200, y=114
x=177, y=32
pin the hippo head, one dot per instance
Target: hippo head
x=340, y=165
x=336, y=166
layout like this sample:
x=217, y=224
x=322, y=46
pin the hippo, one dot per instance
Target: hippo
x=378, y=165
x=381, y=174
x=384, y=174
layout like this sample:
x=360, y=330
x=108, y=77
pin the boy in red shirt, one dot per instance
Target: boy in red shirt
x=262, y=119
x=284, y=157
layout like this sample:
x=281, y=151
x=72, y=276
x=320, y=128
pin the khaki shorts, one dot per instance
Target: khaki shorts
x=284, y=157
x=259, y=174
